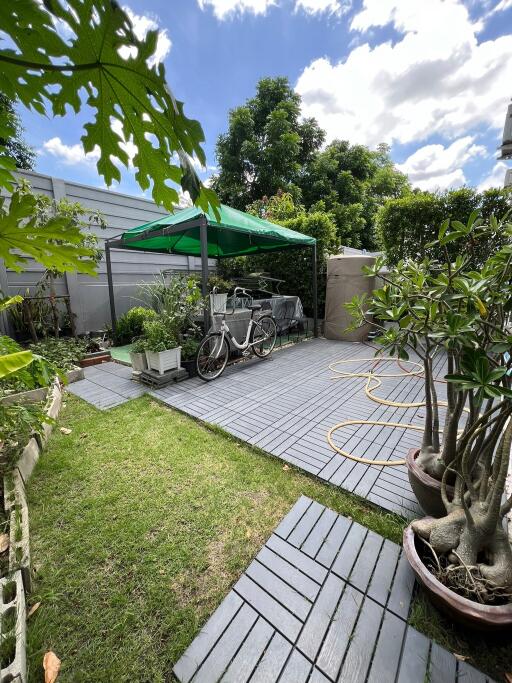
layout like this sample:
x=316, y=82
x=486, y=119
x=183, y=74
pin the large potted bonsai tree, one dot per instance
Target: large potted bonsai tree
x=433, y=311
x=464, y=558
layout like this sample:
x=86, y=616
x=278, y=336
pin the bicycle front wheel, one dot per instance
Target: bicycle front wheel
x=212, y=357
x=264, y=336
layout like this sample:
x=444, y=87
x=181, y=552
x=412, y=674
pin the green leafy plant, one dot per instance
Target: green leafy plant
x=189, y=348
x=39, y=373
x=130, y=324
x=177, y=300
x=16, y=360
x=407, y=226
x=157, y=335
x=446, y=307
x=18, y=423
x=65, y=353
x=86, y=52
x=57, y=243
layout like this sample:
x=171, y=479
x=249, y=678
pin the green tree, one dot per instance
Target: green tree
x=267, y=147
x=351, y=182
x=406, y=227
x=294, y=267
x=15, y=146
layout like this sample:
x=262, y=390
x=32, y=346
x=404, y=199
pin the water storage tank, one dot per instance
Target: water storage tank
x=345, y=279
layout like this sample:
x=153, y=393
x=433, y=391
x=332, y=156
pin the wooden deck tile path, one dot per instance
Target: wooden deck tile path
x=325, y=600
x=286, y=405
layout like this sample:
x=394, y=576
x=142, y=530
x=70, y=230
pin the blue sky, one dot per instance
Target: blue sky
x=430, y=77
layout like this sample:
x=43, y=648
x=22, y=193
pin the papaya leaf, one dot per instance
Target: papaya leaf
x=85, y=52
x=12, y=362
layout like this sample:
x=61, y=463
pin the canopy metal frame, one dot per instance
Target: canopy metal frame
x=202, y=224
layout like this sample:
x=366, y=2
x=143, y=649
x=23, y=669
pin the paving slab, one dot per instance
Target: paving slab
x=325, y=600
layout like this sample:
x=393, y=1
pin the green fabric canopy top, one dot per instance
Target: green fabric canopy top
x=233, y=233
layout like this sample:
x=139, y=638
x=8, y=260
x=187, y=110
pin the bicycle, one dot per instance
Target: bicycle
x=213, y=352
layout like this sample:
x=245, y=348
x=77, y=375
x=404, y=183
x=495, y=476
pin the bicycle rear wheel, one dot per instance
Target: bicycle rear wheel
x=265, y=333
x=212, y=357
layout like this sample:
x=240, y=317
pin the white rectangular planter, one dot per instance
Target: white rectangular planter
x=138, y=361
x=161, y=361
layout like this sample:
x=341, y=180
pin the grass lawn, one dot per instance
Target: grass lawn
x=141, y=520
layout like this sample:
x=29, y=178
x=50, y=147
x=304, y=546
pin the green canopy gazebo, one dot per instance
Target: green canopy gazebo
x=193, y=232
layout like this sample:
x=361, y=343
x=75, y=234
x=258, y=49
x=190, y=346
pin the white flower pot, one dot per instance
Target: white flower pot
x=138, y=361
x=218, y=303
x=162, y=361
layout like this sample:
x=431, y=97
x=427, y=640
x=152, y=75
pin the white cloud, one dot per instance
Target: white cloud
x=434, y=78
x=184, y=201
x=496, y=177
x=439, y=167
x=223, y=9
x=337, y=7
x=70, y=155
x=142, y=23
x=502, y=6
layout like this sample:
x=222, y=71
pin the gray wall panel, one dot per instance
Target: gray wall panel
x=89, y=296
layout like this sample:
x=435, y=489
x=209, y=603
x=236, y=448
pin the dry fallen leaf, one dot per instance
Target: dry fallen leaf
x=65, y=430
x=461, y=658
x=286, y=467
x=51, y=666
x=34, y=608
x=4, y=542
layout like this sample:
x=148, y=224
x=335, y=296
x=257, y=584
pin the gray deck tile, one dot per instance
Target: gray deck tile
x=286, y=406
x=340, y=616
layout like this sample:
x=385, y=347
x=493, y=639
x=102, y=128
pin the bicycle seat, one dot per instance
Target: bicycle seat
x=254, y=307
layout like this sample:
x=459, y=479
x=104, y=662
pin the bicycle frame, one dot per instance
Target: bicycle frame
x=246, y=344
x=226, y=332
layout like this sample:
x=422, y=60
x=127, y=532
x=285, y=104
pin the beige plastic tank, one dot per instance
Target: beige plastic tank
x=344, y=280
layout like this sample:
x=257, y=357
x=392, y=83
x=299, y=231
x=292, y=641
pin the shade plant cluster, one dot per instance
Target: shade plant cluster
x=444, y=310
x=168, y=318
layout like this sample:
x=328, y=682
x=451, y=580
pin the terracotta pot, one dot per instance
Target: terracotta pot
x=426, y=489
x=459, y=609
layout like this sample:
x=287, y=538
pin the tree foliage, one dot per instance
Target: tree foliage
x=65, y=55
x=267, y=145
x=407, y=225
x=268, y=148
x=15, y=146
x=352, y=182
x=52, y=234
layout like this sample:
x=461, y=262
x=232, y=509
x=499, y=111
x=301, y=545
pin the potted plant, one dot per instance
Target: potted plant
x=188, y=355
x=138, y=355
x=464, y=557
x=160, y=345
x=435, y=308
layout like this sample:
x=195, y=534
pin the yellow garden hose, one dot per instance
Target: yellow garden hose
x=373, y=382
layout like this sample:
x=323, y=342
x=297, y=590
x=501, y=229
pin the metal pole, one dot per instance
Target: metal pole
x=203, y=236
x=315, y=293
x=110, y=287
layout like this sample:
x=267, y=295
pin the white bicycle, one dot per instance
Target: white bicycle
x=213, y=352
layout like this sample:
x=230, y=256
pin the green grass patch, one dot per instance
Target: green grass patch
x=141, y=521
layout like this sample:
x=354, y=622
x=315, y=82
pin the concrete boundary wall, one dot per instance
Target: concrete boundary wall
x=89, y=295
